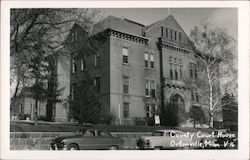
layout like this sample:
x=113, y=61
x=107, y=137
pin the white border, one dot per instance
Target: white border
x=243, y=83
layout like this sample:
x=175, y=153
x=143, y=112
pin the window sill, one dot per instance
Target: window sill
x=151, y=69
x=125, y=64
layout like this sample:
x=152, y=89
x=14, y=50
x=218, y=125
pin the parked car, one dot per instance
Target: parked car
x=87, y=139
x=168, y=139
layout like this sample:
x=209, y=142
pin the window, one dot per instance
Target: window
x=125, y=110
x=74, y=66
x=73, y=91
x=21, y=109
x=146, y=59
x=192, y=95
x=125, y=85
x=153, y=88
x=103, y=134
x=180, y=37
x=166, y=32
x=147, y=88
x=155, y=109
x=195, y=72
x=171, y=34
x=197, y=97
x=180, y=72
x=150, y=88
x=148, y=111
x=152, y=61
x=72, y=37
x=180, y=65
x=97, y=60
x=125, y=55
x=89, y=133
x=175, y=68
x=191, y=70
x=97, y=83
x=83, y=65
x=171, y=71
x=176, y=73
x=175, y=35
x=76, y=36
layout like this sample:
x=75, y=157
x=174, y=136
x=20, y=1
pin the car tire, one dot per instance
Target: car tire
x=73, y=147
x=113, y=148
x=157, y=148
x=186, y=148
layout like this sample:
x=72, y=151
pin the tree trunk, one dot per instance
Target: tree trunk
x=35, y=117
x=211, y=125
x=17, y=87
x=211, y=109
x=49, y=110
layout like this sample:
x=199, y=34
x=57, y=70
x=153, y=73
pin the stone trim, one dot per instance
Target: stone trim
x=175, y=48
x=177, y=86
x=128, y=36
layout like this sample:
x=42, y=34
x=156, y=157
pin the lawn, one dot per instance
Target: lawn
x=64, y=127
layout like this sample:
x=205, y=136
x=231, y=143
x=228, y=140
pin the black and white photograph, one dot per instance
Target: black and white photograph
x=138, y=79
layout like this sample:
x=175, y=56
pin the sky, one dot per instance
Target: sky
x=188, y=18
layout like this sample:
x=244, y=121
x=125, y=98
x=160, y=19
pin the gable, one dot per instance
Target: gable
x=170, y=31
x=76, y=34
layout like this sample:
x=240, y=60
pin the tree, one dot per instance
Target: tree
x=230, y=111
x=35, y=35
x=172, y=115
x=197, y=114
x=216, y=56
x=85, y=105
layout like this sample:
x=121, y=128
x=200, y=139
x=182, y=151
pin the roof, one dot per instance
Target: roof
x=119, y=24
x=139, y=24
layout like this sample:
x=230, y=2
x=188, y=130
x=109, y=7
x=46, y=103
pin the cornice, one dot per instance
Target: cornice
x=128, y=36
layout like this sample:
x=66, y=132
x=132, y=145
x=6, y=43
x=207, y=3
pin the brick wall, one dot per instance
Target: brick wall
x=41, y=140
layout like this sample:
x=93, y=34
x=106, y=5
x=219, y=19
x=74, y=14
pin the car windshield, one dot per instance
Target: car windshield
x=104, y=134
x=80, y=131
x=158, y=133
x=89, y=133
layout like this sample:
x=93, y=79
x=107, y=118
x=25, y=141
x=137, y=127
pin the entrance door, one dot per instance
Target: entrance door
x=177, y=109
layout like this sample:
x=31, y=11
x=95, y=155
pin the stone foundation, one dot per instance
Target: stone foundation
x=41, y=140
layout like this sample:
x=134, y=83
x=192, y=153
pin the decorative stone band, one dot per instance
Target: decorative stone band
x=176, y=49
x=128, y=36
x=177, y=86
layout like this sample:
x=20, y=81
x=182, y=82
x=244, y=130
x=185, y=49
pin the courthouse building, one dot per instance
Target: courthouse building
x=136, y=68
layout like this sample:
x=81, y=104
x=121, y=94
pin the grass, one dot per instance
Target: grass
x=66, y=127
